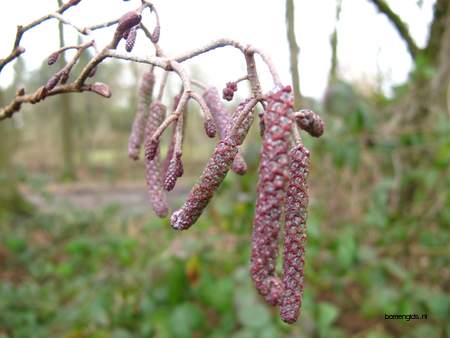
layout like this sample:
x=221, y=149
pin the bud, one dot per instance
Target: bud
x=295, y=234
x=213, y=175
x=101, y=89
x=210, y=127
x=311, y=122
x=53, y=81
x=92, y=72
x=229, y=90
x=227, y=94
x=154, y=37
x=271, y=195
x=127, y=21
x=53, y=58
x=73, y=2
x=131, y=39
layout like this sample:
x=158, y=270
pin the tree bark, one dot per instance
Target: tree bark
x=67, y=121
x=294, y=51
x=334, y=44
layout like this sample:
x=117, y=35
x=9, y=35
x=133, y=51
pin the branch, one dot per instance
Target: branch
x=17, y=50
x=293, y=51
x=57, y=83
x=401, y=27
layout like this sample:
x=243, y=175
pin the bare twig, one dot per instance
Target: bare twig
x=401, y=27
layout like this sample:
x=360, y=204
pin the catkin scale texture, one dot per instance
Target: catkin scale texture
x=214, y=173
x=130, y=39
x=137, y=130
x=295, y=234
x=271, y=191
x=153, y=175
x=244, y=127
x=222, y=120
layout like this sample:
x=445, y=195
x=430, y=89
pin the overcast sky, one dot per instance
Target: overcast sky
x=368, y=44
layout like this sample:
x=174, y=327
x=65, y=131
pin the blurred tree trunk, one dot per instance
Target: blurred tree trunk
x=67, y=121
x=333, y=77
x=426, y=101
x=11, y=200
x=293, y=50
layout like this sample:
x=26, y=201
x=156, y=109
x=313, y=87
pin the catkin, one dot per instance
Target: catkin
x=222, y=120
x=310, y=122
x=137, y=130
x=295, y=234
x=131, y=39
x=153, y=175
x=271, y=193
x=214, y=173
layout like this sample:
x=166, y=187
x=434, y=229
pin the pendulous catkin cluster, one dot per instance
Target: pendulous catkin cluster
x=137, y=129
x=271, y=193
x=282, y=189
x=295, y=233
x=222, y=120
x=158, y=200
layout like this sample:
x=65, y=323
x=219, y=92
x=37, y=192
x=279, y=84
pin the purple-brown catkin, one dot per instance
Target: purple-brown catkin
x=214, y=173
x=210, y=127
x=295, y=234
x=131, y=39
x=137, y=130
x=127, y=21
x=244, y=126
x=173, y=165
x=310, y=122
x=153, y=175
x=53, y=58
x=174, y=170
x=222, y=119
x=169, y=151
x=271, y=193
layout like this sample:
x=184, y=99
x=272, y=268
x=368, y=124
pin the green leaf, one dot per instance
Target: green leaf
x=327, y=313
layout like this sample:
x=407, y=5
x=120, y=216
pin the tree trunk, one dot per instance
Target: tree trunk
x=293, y=50
x=67, y=121
x=11, y=200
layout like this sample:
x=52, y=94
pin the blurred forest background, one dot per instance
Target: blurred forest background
x=83, y=255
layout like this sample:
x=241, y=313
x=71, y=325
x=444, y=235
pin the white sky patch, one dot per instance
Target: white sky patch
x=368, y=44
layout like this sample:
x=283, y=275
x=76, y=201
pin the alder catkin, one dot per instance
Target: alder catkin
x=295, y=234
x=310, y=122
x=170, y=151
x=174, y=170
x=210, y=127
x=271, y=193
x=214, y=173
x=53, y=81
x=101, y=89
x=137, y=129
x=53, y=58
x=130, y=39
x=127, y=21
x=153, y=175
x=244, y=126
x=222, y=120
